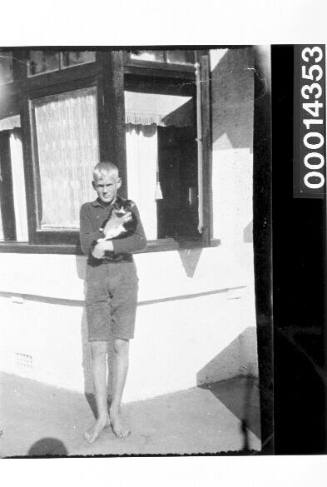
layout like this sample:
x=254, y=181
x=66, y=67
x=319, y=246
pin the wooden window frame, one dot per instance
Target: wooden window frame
x=156, y=71
x=32, y=168
x=160, y=67
x=61, y=67
x=110, y=74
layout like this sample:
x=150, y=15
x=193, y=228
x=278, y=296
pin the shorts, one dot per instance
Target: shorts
x=111, y=300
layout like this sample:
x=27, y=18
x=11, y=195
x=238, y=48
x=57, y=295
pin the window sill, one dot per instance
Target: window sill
x=160, y=245
x=172, y=244
x=26, y=248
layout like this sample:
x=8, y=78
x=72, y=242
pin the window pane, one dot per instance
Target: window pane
x=162, y=162
x=68, y=149
x=148, y=55
x=175, y=56
x=180, y=57
x=6, y=69
x=42, y=62
x=73, y=58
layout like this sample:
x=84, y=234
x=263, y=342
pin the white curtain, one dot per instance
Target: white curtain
x=142, y=155
x=1, y=227
x=18, y=179
x=68, y=149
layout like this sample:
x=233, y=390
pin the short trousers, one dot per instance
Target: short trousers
x=111, y=300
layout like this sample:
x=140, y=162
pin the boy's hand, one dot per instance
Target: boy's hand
x=98, y=250
x=101, y=247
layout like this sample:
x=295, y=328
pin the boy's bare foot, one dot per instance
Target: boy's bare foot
x=117, y=425
x=92, y=434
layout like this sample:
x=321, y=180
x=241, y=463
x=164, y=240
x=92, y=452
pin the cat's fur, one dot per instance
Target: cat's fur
x=121, y=221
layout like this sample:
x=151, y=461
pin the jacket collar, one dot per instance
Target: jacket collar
x=97, y=203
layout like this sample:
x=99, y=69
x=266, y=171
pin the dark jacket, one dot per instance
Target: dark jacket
x=92, y=217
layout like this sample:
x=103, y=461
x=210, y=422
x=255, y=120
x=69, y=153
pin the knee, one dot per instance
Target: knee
x=98, y=349
x=121, y=346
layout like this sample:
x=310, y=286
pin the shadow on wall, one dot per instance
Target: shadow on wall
x=241, y=397
x=248, y=233
x=240, y=393
x=232, y=99
x=190, y=259
x=239, y=358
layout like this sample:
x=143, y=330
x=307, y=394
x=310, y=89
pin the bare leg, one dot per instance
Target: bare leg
x=120, y=368
x=99, y=353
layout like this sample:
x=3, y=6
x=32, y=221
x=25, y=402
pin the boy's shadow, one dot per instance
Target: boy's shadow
x=86, y=352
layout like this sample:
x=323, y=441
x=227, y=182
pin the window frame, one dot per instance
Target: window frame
x=167, y=86
x=8, y=206
x=158, y=71
x=160, y=67
x=46, y=236
x=61, y=66
x=110, y=74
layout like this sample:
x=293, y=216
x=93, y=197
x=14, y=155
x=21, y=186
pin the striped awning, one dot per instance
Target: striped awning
x=164, y=110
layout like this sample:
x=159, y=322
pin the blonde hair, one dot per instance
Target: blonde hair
x=105, y=168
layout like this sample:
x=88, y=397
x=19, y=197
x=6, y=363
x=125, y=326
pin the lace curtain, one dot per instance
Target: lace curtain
x=142, y=154
x=68, y=149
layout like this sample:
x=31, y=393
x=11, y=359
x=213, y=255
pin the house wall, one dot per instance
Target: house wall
x=196, y=312
x=232, y=143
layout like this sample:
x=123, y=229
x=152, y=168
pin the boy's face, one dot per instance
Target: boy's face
x=107, y=186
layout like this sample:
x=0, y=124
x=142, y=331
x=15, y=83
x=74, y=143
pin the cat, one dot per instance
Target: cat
x=121, y=221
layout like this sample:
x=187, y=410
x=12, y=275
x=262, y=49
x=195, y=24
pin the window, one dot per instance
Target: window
x=163, y=144
x=6, y=67
x=161, y=153
x=47, y=61
x=137, y=108
x=75, y=58
x=67, y=148
x=43, y=62
x=173, y=57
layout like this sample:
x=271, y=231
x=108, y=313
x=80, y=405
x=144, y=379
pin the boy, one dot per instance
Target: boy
x=111, y=296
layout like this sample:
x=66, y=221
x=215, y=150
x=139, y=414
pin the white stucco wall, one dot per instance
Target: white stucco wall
x=183, y=322
x=232, y=97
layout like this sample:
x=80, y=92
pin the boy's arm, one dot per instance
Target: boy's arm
x=87, y=235
x=136, y=241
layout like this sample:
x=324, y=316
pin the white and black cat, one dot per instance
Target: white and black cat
x=121, y=222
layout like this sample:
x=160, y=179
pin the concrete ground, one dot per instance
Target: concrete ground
x=39, y=420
